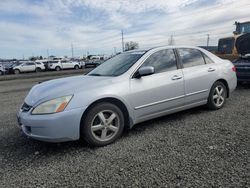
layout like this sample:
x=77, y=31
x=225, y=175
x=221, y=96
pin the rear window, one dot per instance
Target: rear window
x=191, y=57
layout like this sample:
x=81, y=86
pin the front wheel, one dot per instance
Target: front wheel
x=76, y=67
x=103, y=124
x=58, y=68
x=217, y=96
x=16, y=71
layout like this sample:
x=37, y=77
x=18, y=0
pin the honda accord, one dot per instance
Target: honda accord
x=130, y=88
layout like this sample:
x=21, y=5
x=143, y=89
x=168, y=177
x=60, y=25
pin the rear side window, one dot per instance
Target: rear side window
x=53, y=62
x=162, y=61
x=207, y=59
x=191, y=57
x=30, y=63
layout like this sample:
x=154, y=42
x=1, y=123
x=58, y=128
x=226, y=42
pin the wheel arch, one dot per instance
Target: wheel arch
x=118, y=103
x=226, y=84
x=16, y=69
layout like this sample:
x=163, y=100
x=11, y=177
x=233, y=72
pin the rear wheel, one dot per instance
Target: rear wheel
x=58, y=68
x=1, y=72
x=16, y=71
x=217, y=96
x=38, y=69
x=76, y=67
x=103, y=124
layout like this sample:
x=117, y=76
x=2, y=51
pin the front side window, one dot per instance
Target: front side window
x=191, y=57
x=162, y=61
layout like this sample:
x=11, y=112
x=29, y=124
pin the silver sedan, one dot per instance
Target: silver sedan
x=127, y=89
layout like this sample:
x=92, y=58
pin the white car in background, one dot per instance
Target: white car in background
x=2, y=70
x=63, y=64
x=29, y=67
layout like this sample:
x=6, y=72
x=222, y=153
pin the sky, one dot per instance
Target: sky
x=51, y=27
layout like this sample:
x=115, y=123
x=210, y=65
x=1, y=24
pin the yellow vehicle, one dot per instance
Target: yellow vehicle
x=239, y=44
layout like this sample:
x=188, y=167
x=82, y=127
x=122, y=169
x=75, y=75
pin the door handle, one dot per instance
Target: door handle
x=176, y=77
x=210, y=69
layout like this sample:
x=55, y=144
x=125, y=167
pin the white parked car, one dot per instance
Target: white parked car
x=29, y=67
x=2, y=70
x=63, y=64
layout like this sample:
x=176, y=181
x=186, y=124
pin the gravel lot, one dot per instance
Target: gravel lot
x=194, y=148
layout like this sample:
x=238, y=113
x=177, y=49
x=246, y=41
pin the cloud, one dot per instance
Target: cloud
x=28, y=26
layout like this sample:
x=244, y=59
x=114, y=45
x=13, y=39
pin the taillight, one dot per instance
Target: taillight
x=233, y=69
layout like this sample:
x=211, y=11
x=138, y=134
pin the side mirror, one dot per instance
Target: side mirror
x=144, y=71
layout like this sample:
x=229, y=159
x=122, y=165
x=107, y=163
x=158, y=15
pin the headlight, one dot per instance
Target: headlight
x=52, y=106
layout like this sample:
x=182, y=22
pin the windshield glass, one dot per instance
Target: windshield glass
x=118, y=64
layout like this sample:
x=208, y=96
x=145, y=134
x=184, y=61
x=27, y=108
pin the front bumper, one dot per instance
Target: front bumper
x=58, y=127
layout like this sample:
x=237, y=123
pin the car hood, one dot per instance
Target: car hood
x=243, y=44
x=65, y=86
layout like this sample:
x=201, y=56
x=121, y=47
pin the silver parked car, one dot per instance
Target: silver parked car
x=127, y=89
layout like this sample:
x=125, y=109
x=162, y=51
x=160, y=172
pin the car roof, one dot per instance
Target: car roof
x=163, y=47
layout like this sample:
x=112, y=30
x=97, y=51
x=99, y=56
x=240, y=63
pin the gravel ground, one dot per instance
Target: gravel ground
x=194, y=148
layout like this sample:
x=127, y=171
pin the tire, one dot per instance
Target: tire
x=96, y=128
x=1, y=73
x=217, y=96
x=57, y=68
x=76, y=67
x=38, y=70
x=16, y=71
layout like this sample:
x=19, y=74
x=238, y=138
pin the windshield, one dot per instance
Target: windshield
x=118, y=64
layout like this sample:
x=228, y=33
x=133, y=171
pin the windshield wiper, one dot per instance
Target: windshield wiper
x=94, y=74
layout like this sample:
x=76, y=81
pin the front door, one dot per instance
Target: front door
x=160, y=92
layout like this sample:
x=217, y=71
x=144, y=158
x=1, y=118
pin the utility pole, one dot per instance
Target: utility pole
x=72, y=50
x=122, y=42
x=171, y=40
x=48, y=53
x=114, y=50
x=208, y=38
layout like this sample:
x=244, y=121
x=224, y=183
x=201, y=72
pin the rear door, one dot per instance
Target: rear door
x=199, y=74
x=155, y=94
x=65, y=64
x=31, y=66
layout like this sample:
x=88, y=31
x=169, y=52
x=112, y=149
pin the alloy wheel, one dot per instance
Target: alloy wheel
x=219, y=96
x=105, y=125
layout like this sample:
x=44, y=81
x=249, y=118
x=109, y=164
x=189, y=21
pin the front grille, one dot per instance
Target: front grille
x=25, y=107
